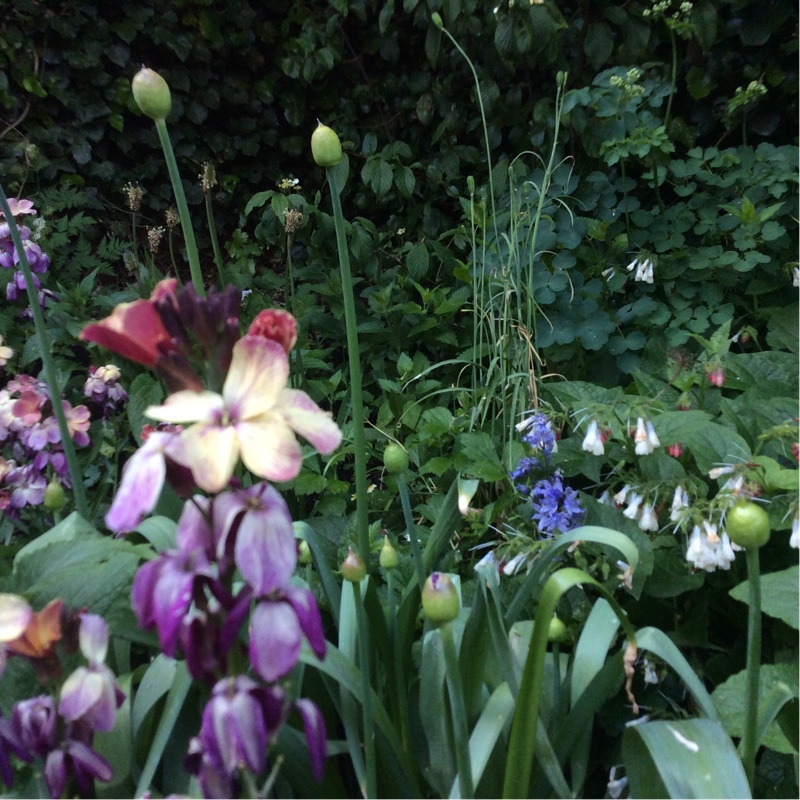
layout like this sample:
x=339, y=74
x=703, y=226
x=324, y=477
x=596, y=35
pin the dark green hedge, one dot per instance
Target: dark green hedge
x=249, y=80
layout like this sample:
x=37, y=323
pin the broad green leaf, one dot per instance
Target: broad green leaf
x=591, y=652
x=771, y=372
x=779, y=595
x=692, y=758
x=159, y=531
x=486, y=733
x=730, y=700
x=782, y=328
x=417, y=261
x=484, y=463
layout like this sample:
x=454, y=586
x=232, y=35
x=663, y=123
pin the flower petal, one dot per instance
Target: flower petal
x=305, y=417
x=256, y=377
x=79, y=693
x=211, y=452
x=314, y=727
x=305, y=606
x=269, y=449
x=188, y=406
x=15, y=614
x=274, y=639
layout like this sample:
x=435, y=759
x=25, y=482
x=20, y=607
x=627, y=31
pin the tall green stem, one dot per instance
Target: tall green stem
x=366, y=691
x=183, y=208
x=419, y=565
x=749, y=744
x=50, y=373
x=673, y=78
x=460, y=729
x=212, y=231
x=354, y=359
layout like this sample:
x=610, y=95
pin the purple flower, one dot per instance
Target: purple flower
x=33, y=723
x=91, y=693
x=10, y=743
x=555, y=507
x=77, y=758
x=28, y=486
x=538, y=433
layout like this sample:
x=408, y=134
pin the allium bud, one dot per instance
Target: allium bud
x=557, y=632
x=54, y=495
x=389, y=558
x=303, y=552
x=325, y=146
x=748, y=525
x=353, y=567
x=151, y=93
x=440, y=599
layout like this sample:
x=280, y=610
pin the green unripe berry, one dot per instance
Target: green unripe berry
x=54, y=496
x=440, y=599
x=325, y=146
x=151, y=93
x=557, y=632
x=353, y=567
x=747, y=525
x=389, y=558
x=395, y=458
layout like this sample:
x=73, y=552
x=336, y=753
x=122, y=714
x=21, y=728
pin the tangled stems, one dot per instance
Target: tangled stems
x=81, y=504
x=359, y=443
x=183, y=208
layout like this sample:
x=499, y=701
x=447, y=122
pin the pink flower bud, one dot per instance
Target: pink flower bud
x=277, y=325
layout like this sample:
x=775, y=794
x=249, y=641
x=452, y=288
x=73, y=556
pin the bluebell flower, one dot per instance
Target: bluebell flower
x=538, y=433
x=556, y=507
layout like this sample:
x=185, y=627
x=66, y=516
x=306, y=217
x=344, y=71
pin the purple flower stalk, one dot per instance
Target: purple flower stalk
x=556, y=507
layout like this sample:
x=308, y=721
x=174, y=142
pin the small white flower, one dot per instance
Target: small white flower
x=626, y=578
x=593, y=441
x=621, y=495
x=609, y=273
x=734, y=485
x=650, y=674
x=633, y=265
x=718, y=472
x=648, y=520
x=632, y=511
x=514, y=564
x=711, y=532
x=640, y=437
x=699, y=554
x=680, y=500
x=724, y=552
x=796, y=277
x=794, y=541
x=606, y=499
x=652, y=437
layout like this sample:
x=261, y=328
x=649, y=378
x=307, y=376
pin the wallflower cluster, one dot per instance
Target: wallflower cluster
x=31, y=442
x=9, y=258
x=235, y=551
x=59, y=735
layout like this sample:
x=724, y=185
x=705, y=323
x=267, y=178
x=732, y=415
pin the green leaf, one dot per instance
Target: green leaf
x=779, y=594
x=405, y=181
x=504, y=35
x=159, y=531
x=116, y=746
x=145, y=391
x=484, y=463
x=370, y=144
x=691, y=758
x=729, y=698
x=782, y=328
x=417, y=261
x=599, y=44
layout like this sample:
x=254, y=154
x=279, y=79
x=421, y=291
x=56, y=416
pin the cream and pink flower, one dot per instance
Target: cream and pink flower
x=256, y=418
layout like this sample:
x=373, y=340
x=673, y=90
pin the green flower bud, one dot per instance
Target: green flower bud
x=325, y=146
x=389, y=557
x=54, y=496
x=303, y=552
x=557, y=632
x=151, y=93
x=436, y=19
x=395, y=458
x=353, y=567
x=471, y=184
x=747, y=525
x=440, y=599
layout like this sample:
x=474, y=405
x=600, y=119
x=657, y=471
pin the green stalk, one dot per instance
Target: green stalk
x=366, y=691
x=212, y=230
x=298, y=378
x=183, y=208
x=50, y=373
x=419, y=564
x=673, y=77
x=748, y=743
x=354, y=359
x=459, y=711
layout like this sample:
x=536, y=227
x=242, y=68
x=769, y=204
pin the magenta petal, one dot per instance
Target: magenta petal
x=305, y=606
x=88, y=761
x=144, y=584
x=193, y=531
x=274, y=639
x=55, y=772
x=314, y=727
x=266, y=551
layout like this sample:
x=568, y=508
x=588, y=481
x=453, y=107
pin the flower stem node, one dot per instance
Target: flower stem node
x=440, y=599
x=151, y=93
x=388, y=558
x=353, y=567
x=395, y=458
x=748, y=525
x=325, y=146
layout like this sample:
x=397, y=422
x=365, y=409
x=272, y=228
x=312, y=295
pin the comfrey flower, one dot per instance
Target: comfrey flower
x=680, y=502
x=644, y=269
x=593, y=441
x=709, y=551
x=556, y=507
x=256, y=417
x=645, y=437
x=648, y=521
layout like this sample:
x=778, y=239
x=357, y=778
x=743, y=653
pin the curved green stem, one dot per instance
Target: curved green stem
x=749, y=744
x=354, y=359
x=298, y=379
x=419, y=564
x=673, y=78
x=50, y=373
x=183, y=208
x=366, y=691
x=459, y=710
x=212, y=231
